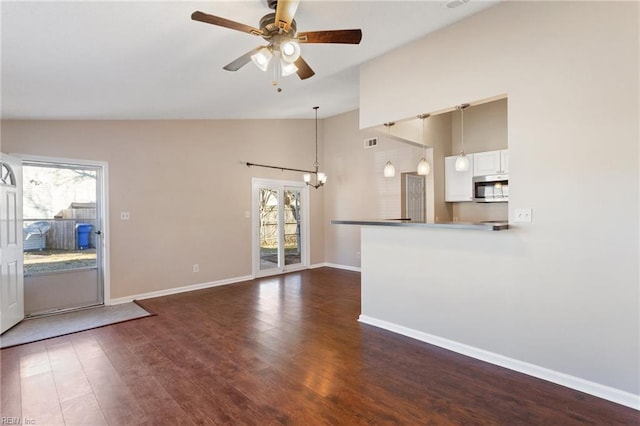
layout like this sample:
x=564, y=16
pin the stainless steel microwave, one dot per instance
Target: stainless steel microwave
x=491, y=189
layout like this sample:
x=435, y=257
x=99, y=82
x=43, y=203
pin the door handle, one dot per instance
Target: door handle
x=98, y=232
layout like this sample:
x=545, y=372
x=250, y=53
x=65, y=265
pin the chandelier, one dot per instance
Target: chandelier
x=321, y=178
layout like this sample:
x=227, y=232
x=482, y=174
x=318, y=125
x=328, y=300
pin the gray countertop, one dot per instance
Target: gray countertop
x=479, y=226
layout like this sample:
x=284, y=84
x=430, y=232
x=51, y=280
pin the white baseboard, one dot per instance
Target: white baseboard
x=316, y=266
x=345, y=267
x=176, y=290
x=601, y=391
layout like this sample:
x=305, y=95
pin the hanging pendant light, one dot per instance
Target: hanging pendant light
x=321, y=178
x=424, y=168
x=462, y=162
x=389, y=170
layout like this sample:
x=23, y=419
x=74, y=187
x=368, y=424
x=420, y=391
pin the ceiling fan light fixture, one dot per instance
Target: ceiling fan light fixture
x=290, y=51
x=262, y=58
x=280, y=31
x=287, y=68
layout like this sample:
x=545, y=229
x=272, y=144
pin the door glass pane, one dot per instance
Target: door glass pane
x=269, y=232
x=59, y=218
x=292, y=227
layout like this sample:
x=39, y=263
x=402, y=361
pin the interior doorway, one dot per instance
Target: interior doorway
x=63, y=235
x=413, y=197
x=280, y=226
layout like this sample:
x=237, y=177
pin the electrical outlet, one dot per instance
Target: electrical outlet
x=357, y=255
x=196, y=267
x=522, y=215
x=124, y=216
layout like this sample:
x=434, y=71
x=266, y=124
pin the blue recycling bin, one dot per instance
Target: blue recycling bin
x=83, y=230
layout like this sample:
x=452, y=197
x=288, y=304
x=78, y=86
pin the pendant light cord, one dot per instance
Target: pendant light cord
x=461, y=108
x=316, y=164
x=424, y=117
x=461, y=129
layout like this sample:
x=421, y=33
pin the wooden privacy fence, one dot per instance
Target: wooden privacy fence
x=62, y=235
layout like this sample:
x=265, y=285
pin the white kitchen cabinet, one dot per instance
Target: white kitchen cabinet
x=458, y=186
x=491, y=162
x=504, y=160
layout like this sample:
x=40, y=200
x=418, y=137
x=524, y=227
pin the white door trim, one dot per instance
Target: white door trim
x=104, y=189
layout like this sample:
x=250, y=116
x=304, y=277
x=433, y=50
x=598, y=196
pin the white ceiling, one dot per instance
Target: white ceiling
x=149, y=60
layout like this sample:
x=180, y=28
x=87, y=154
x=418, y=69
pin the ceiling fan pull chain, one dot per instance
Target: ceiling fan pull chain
x=274, y=82
x=276, y=65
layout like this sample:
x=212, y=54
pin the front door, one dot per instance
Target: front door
x=63, y=246
x=280, y=214
x=11, y=293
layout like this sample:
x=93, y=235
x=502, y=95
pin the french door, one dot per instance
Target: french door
x=280, y=226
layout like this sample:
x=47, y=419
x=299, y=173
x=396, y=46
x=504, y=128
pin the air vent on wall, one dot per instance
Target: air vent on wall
x=370, y=143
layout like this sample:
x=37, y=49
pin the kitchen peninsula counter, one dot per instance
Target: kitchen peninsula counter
x=478, y=226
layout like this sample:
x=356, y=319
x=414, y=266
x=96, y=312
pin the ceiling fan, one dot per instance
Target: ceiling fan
x=280, y=30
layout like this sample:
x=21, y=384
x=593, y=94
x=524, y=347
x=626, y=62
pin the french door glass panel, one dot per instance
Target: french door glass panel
x=269, y=229
x=292, y=227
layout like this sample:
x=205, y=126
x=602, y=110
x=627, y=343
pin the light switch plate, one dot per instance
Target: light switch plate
x=522, y=216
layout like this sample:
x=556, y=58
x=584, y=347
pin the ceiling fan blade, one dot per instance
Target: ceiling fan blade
x=331, y=36
x=304, y=70
x=242, y=60
x=285, y=9
x=222, y=22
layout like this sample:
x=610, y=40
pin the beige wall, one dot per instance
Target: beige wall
x=438, y=135
x=184, y=186
x=566, y=295
x=485, y=127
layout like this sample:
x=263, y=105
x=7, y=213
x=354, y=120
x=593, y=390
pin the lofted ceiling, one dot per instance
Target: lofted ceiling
x=149, y=60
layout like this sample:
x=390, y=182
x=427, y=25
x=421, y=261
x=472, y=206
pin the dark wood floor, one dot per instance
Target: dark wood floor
x=281, y=350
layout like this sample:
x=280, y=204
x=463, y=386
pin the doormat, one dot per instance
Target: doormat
x=46, y=327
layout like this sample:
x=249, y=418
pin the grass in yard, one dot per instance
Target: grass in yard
x=42, y=261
